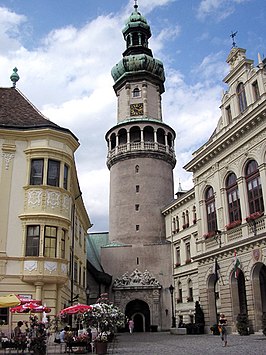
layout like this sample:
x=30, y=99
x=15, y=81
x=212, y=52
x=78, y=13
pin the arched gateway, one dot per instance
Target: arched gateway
x=138, y=295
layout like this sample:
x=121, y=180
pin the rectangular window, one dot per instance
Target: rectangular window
x=136, y=207
x=177, y=253
x=137, y=188
x=63, y=244
x=50, y=235
x=53, y=173
x=188, y=255
x=4, y=315
x=84, y=277
x=65, y=183
x=80, y=274
x=33, y=241
x=137, y=227
x=36, y=172
x=256, y=92
x=228, y=114
x=75, y=276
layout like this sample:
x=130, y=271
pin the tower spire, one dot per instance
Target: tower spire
x=136, y=5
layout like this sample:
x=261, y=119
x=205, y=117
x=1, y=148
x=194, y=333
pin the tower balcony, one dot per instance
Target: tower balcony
x=145, y=140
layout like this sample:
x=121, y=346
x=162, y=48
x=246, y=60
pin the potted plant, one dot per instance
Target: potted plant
x=106, y=318
x=233, y=225
x=242, y=324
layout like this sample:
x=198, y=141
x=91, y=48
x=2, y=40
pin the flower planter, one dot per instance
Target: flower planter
x=101, y=348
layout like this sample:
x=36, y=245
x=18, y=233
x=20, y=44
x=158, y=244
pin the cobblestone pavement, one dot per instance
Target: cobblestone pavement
x=163, y=343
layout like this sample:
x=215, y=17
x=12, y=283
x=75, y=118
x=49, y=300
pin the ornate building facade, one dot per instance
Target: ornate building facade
x=43, y=219
x=141, y=159
x=221, y=220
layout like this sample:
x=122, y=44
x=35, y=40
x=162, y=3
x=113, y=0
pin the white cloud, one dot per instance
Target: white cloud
x=217, y=9
x=68, y=77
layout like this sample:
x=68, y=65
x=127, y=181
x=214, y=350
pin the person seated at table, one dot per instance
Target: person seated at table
x=68, y=338
x=19, y=337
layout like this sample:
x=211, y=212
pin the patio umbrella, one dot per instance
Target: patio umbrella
x=30, y=307
x=77, y=308
x=28, y=300
x=9, y=301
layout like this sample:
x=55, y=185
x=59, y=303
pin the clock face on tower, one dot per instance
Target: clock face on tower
x=136, y=109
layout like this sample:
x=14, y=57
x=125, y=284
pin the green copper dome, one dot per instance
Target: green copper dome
x=136, y=20
x=138, y=63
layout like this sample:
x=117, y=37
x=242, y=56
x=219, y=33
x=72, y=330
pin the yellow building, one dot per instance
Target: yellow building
x=222, y=218
x=43, y=218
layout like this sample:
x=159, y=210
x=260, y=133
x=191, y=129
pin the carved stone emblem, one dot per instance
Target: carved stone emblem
x=53, y=199
x=136, y=278
x=50, y=266
x=256, y=254
x=30, y=265
x=34, y=198
x=7, y=158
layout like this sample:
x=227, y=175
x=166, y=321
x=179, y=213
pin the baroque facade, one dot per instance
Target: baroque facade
x=221, y=220
x=141, y=159
x=43, y=219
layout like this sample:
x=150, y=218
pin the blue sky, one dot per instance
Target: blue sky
x=65, y=49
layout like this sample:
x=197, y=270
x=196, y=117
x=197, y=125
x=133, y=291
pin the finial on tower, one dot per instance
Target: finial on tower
x=233, y=35
x=136, y=5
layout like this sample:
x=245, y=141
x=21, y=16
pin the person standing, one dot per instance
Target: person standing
x=223, y=330
x=131, y=326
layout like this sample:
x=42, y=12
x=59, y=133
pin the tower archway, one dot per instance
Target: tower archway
x=139, y=312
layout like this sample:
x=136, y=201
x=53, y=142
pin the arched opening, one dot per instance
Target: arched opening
x=139, y=312
x=113, y=141
x=148, y=134
x=135, y=135
x=239, y=297
x=160, y=136
x=212, y=294
x=122, y=137
x=259, y=293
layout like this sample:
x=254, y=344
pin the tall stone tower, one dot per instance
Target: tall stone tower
x=141, y=159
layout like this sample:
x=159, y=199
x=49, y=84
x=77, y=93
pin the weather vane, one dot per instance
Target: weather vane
x=233, y=35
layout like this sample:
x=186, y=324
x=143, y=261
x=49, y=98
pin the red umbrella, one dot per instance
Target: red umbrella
x=77, y=308
x=30, y=307
x=28, y=300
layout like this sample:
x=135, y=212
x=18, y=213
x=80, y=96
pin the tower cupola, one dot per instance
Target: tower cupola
x=138, y=60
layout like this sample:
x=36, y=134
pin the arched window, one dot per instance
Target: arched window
x=254, y=190
x=174, y=224
x=137, y=169
x=184, y=220
x=177, y=224
x=187, y=218
x=233, y=198
x=136, y=92
x=180, y=293
x=211, y=210
x=194, y=215
x=242, y=101
x=190, y=291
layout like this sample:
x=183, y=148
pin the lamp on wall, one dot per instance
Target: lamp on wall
x=171, y=289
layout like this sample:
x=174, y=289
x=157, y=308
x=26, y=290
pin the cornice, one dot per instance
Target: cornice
x=212, y=149
x=244, y=244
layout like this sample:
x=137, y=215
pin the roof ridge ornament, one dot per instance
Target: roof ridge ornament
x=233, y=35
x=14, y=77
x=136, y=5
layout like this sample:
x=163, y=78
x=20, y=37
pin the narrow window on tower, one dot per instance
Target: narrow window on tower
x=137, y=207
x=137, y=227
x=137, y=188
x=137, y=261
x=136, y=169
